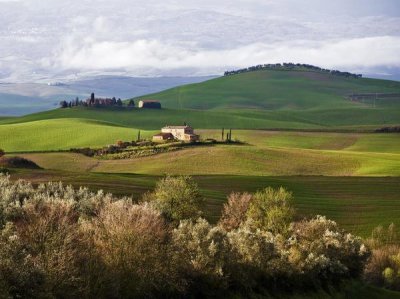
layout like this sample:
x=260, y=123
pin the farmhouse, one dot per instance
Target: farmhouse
x=183, y=133
x=152, y=104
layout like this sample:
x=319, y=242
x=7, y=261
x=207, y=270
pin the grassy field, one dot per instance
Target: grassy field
x=265, y=153
x=154, y=119
x=63, y=134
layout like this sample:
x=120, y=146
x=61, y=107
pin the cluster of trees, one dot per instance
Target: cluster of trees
x=394, y=129
x=291, y=66
x=18, y=162
x=96, y=102
x=59, y=242
x=228, y=137
x=118, y=147
x=111, y=149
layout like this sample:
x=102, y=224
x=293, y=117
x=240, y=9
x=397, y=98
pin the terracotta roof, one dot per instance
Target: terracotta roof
x=149, y=101
x=176, y=127
x=164, y=135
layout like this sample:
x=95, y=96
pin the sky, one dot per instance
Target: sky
x=50, y=40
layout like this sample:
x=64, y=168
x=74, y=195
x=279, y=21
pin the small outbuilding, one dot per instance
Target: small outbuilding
x=151, y=104
x=163, y=137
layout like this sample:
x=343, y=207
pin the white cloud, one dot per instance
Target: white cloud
x=156, y=55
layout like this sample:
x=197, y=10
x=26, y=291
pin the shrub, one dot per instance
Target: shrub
x=177, y=198
x=204, y=245
x=2, y=153
x=205, y=254
x=44, y=251
x=84, y=151
x=271, y=210
x=19, y=162
x=50, y=233
x=253, y=247
x=12, y=197
x=255, y=257
x=234, y=212
x=132, y=241
x=320, y=249
x=383, y=268
x=19, y=278
x=381, y=236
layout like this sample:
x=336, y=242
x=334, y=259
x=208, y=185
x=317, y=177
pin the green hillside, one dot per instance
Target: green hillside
x=155, y=119
x=277, y=90
x=265, y=153
x=62, y=134
x=268, y=99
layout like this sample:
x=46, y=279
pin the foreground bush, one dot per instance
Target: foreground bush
x=271, y=210
x=235, y=210
x=59, y=242
x=132, y=242
x=177, y=198
x=383, y=268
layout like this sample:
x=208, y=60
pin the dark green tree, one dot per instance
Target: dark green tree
x=131, y=103
x=177, y=198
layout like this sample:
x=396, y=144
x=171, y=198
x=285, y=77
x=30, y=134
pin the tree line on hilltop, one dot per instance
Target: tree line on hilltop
x=291, y=66
x=96, y=102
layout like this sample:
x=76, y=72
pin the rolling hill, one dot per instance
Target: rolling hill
x=267, y=99
x=265, y=154
x=277, y=90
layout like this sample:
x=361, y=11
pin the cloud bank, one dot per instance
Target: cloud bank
x=157, y=56
x=54, y=39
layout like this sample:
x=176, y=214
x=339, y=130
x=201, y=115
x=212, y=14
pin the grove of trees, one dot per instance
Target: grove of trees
x=291, y=66
x=95, y=102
